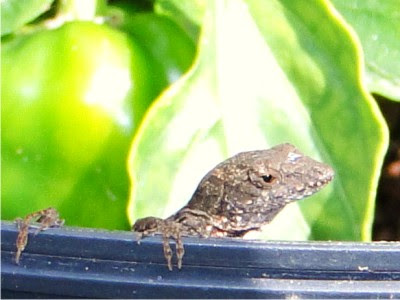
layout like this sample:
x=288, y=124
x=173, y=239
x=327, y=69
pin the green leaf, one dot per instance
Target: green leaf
x=193, y=10
x=16, y=13
x=377, y=24
x=188, y=14
x=267, y=72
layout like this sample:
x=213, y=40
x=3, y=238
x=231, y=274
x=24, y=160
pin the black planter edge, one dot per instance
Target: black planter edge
x=79, y=262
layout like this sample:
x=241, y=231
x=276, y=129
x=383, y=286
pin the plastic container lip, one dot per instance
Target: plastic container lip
x=81, y=262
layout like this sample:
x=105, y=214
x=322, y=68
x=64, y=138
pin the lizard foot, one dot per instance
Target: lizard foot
x=168, y=229
x=45, y=219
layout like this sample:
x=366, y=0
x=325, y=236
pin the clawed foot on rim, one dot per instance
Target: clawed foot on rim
x=42, y=220
x=168, y=229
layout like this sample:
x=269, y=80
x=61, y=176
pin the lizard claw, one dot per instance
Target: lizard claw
x=180, y=250
x=167, y=251
x=168, y=229
x=22, y=240
x=172, y=229
x=140, y=236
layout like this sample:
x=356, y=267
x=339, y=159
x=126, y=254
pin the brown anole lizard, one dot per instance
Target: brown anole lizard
x=239, y=195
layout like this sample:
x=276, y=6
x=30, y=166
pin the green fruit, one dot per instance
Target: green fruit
x=72, y=99
x=67, y=121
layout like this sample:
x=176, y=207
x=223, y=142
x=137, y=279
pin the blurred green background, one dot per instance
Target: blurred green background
x=114, y=110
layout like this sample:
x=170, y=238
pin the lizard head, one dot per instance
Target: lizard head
x=283, y=172
x=249, y=189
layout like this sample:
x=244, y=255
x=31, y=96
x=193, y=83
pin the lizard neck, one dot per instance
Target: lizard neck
x=198, y=223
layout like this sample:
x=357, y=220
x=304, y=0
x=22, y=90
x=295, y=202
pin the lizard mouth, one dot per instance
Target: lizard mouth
x=318, y=178
x=328, y=175
x=323, y=173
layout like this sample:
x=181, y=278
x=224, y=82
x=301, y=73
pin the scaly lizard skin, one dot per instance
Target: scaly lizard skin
x=243, y=193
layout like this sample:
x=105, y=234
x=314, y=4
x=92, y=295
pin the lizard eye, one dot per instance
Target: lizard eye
x=262, y=180
x=268, y=178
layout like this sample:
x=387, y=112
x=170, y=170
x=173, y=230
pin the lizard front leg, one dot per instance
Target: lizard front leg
x=180, y=250
x=22, y=238
x=46, y=218
x=167, y=251
x=171, y=229
x=168, y=229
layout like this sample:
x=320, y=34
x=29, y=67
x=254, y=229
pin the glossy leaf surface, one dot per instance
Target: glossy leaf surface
x=377, y=24
x=267, y=72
